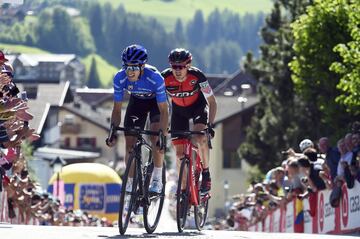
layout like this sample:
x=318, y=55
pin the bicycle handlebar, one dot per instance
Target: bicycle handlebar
x=189, y=133
x=136, y=131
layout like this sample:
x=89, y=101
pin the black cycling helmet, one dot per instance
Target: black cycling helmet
x=180, y=55
x=134, y=54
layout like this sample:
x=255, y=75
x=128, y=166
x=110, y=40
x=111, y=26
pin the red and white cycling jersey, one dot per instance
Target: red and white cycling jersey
x=193, y=89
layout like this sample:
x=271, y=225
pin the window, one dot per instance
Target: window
x=86, y=142
x=67, y=142
x=231, y=159
x=69, y=119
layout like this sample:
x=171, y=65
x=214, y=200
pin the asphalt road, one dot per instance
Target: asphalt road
x=50, y=232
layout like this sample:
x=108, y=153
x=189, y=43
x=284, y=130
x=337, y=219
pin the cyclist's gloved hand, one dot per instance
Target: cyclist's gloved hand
x=161, y=143
x=211, y=130
x=111, y=141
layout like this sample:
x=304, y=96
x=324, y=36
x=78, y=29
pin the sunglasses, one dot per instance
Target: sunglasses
x=178, y=67
x=132, y=68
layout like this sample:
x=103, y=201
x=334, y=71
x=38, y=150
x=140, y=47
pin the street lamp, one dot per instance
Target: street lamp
x=226, y=192
x=57, y=165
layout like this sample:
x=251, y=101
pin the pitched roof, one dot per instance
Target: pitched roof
x=230, y=106
x=96, y=116
x=233, y=83
x=47, y=95
x=65, y=58
x=94, y=96
x=66, y=154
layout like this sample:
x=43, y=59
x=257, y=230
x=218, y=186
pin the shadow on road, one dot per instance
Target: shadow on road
x=156, y=235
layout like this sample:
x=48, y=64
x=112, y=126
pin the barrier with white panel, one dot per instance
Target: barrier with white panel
x=326, y=219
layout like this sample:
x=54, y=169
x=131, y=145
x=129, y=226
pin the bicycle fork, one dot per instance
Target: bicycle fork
x=193, y=187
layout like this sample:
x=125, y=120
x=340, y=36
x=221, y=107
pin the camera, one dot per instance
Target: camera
x=304, y=180
x=11, y=89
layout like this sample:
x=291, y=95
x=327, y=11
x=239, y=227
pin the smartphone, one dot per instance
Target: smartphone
x=24, y=96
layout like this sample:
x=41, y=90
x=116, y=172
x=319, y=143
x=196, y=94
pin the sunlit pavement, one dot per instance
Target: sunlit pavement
x=50, y=232
x=166, y=229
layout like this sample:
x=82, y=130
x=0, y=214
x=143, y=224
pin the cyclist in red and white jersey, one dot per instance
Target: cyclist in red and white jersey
x=192, y=98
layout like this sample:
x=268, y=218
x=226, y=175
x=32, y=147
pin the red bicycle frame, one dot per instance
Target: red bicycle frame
x=190, y=151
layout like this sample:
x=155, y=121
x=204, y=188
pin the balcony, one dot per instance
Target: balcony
x=70, y=128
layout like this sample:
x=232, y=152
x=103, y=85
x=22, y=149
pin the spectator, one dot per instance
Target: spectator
x=345, y=157
x=295, y=187
x=306, y=143
x=332, y=156
x=312, y=155
x=311, y=172
x=2, y=59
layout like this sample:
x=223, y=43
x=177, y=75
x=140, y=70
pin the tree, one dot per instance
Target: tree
x=280, y=118
x=96, y=25
x=195, y=29
x=323, y=27
x=94, y=80
x=59, y=33
x=179, y=32
x=348, y=67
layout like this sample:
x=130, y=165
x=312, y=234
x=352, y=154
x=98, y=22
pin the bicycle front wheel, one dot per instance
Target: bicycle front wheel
x=154, y=203
x=182, y=195
x=127, y=197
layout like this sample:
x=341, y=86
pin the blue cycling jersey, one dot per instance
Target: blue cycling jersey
x=151, y=84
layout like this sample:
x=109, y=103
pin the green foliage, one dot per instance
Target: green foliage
x=255, y=175
x=323, y=27
x=105, y=70
x=349, y=65
x=168, y=12
x=93, y=81
x=21, y=48
x=280, y=119
x=59, y=33
x=217, y=42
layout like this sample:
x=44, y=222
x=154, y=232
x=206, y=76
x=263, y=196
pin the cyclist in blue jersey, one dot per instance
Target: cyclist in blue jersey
x=147, y=97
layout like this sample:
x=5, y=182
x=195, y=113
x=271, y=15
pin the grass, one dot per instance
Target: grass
x=106, y=71
x=22, y=49
x=168, y=12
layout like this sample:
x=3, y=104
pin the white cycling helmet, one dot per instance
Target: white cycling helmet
x=306, y=143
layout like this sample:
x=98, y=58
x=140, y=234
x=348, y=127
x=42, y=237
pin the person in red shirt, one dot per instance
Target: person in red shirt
x=192, y=98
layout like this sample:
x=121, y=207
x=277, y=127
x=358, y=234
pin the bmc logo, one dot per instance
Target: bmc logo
x=321, y=210
x=345, y=206
x=183, y=94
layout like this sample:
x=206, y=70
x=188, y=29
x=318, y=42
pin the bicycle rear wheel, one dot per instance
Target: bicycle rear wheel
x=127, y=199
x=153, y=206
x=182, y=196
x=201, y=211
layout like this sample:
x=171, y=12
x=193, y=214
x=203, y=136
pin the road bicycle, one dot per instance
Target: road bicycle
x=140, y=166
x=188, y=188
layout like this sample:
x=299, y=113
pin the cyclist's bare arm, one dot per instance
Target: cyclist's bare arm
x=212, y=108
x=164, y=116
x=116, y=114
x=209, y=96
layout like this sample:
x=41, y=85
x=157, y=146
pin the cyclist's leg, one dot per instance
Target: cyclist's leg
x=179, y=122
x=200, y=120
x=156, y=182
x=135, y=117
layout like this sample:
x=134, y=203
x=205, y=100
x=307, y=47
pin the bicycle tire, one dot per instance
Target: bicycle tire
x=150, y=225
x=200, y=213
x=124, y=221
x=182, y=199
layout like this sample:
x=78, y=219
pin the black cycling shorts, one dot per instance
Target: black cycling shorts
x=138, y=110
x=180, y=117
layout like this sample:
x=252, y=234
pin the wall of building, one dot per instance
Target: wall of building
x=236, y=178
x=88, y=130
